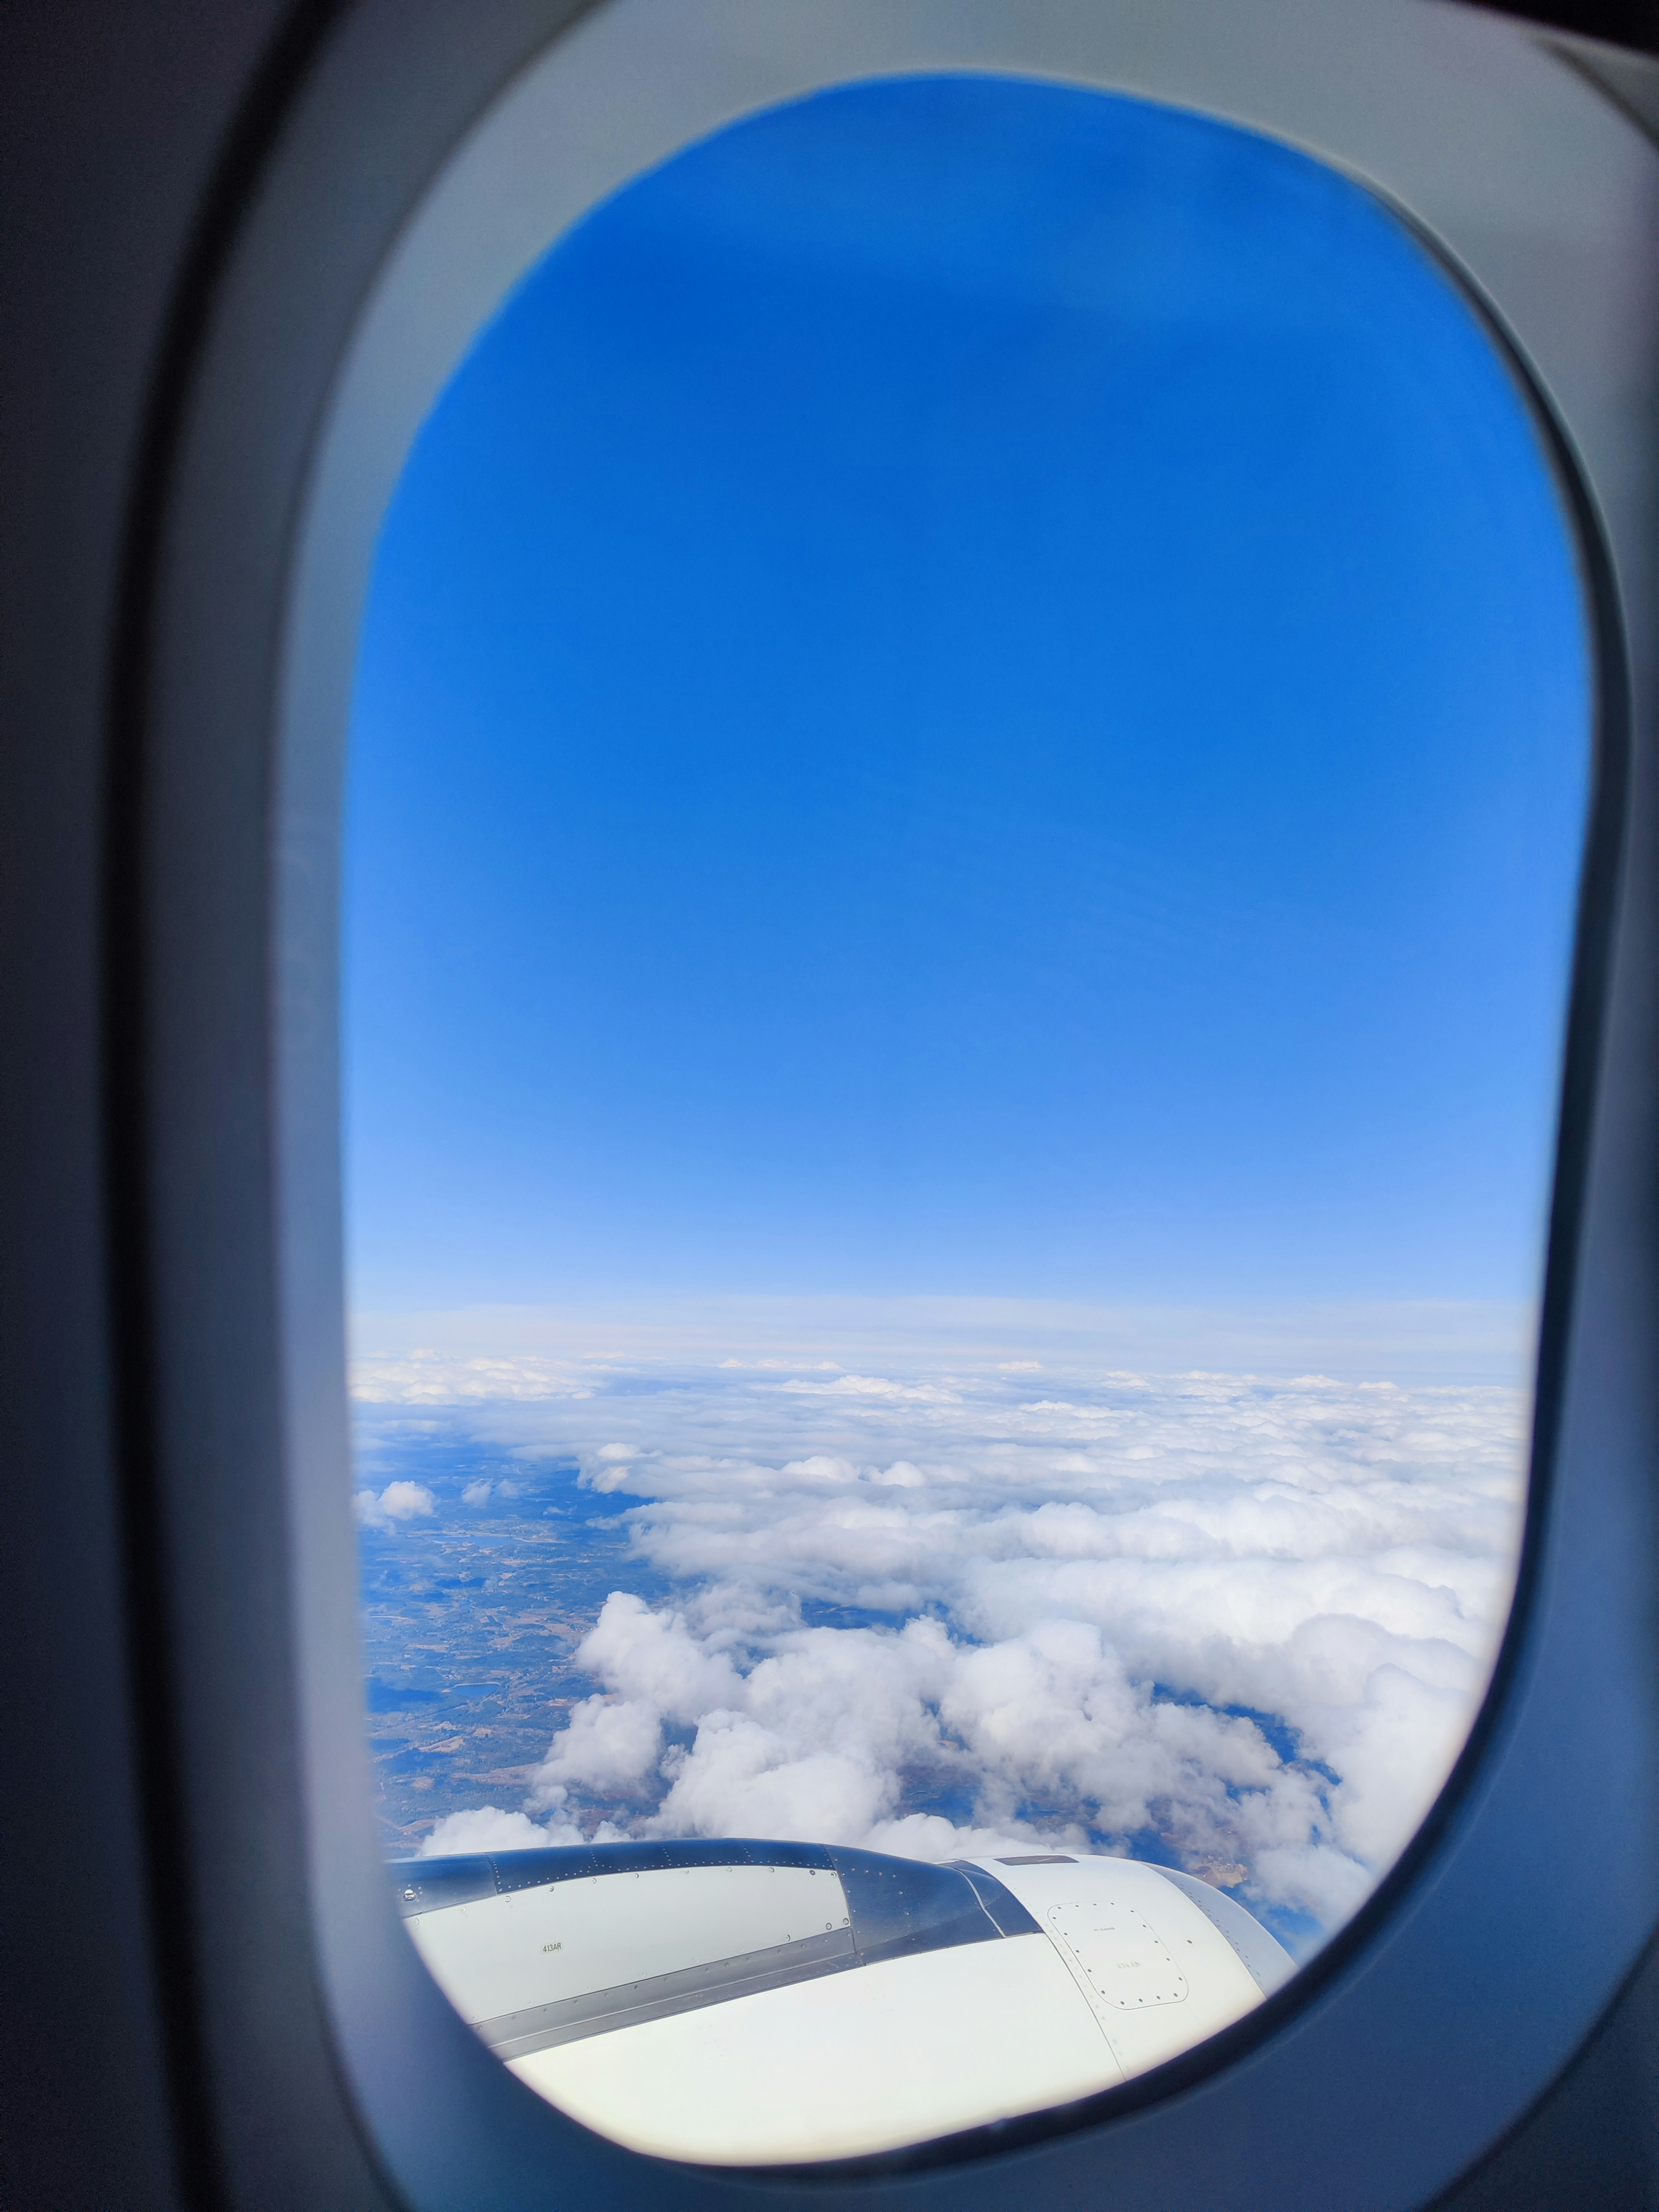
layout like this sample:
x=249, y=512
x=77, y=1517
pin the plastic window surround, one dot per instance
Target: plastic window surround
x=381, y=223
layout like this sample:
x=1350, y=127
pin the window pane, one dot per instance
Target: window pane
x=970, y=760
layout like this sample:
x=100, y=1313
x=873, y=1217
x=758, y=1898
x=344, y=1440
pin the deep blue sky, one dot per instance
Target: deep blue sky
x=974, y=688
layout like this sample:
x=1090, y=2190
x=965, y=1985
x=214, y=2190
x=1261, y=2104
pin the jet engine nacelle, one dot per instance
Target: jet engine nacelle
x=756, y=2003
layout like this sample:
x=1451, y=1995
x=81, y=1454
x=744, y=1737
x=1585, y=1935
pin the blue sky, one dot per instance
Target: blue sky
x=975, y=689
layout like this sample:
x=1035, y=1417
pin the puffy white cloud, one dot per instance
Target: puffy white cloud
x=939, y=1609
x=656, y=1658
x=488, y=1828
x=398, y=1501
x=608, y=1748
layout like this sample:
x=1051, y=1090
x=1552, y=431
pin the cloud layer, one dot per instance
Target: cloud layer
x=1244, y=1623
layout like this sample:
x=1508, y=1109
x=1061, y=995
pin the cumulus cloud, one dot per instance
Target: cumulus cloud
x=398, y=1501
x=1243, y=1622
x=488, y=1828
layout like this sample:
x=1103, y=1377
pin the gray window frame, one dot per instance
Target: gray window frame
x=428, y=154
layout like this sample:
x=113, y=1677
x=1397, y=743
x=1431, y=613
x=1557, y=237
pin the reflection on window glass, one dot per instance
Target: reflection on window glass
x=969, y=763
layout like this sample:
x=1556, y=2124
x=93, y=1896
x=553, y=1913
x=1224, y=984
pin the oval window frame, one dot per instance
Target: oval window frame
x=305, y=392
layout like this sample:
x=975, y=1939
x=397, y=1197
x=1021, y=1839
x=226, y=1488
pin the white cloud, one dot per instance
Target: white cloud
x=479, y=1493
x=422, y=1378
x=929, y=1610
x=488, y=1828
x=608, y=1749
x=398, y=1501
x=655, y=1658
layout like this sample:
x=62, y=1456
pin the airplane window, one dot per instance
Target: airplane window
x=969, y=756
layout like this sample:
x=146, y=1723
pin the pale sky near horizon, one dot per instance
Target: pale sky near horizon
x=975, y=690
x=472, y=1352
